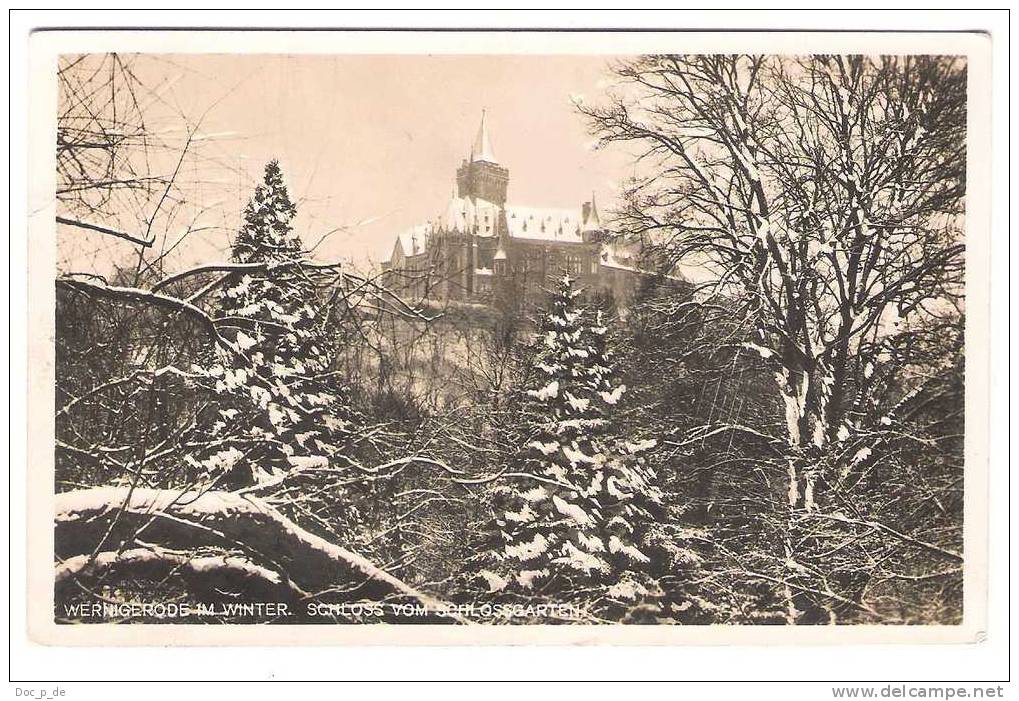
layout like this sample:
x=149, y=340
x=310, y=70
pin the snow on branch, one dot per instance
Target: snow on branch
x=254, y=267
x=203, y=574
x=101, y=517
x=105, y=230
x=141, y=296
x=138, y=295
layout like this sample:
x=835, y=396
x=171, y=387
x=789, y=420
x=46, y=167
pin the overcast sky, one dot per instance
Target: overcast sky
x=373, y=142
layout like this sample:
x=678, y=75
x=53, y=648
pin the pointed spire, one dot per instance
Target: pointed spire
x=482, y=148
x=593, y=221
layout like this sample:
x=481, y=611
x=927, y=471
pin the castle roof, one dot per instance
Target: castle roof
x=543, y=224
x=482, y=148
x=483, y=218
x=464, y=214
x=414, y=240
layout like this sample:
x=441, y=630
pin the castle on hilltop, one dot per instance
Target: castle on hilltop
x=480, y=247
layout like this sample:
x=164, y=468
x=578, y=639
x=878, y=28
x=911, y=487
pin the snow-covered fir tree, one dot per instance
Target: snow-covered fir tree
x=275, y=412
x=574, y=521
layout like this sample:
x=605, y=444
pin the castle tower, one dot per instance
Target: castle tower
x=591, y=230
x=481, y=176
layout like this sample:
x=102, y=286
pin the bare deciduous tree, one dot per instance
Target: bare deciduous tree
x=825, y=194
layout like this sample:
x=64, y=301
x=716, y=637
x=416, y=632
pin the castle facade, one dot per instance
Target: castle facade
x=480, y=248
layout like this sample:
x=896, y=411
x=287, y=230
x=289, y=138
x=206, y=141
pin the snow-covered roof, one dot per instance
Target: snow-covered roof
x=464, y=214
x=562, y=225
x=522, y=222
x=415, y=239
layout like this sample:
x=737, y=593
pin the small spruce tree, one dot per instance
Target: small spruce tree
x=274, y=410
x=576, y=525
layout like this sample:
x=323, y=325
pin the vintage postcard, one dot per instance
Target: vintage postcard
x=508, y=337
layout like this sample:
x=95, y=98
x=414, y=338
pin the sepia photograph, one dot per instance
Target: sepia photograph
x=608, y=340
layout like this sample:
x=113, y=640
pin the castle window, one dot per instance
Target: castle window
x=574, y=264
